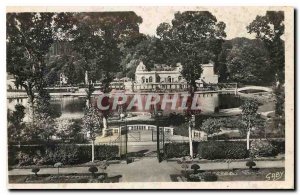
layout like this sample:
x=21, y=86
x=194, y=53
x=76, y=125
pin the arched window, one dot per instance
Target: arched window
x=157, y=78
x=143, y=79
x=150, y=79
x=169, y=79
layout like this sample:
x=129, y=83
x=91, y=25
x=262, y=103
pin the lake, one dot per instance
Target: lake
x=73, y=106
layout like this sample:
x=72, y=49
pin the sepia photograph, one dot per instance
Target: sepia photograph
x=150, y=97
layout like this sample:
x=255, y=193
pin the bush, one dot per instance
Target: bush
x=195, y=167
x=194, y=177
x=262, y=148
x=250, y=164
x=35, y=170
x=279, y=145
x=176, y=150
x=93, y=170
x=182, y=130
x=222, y=150
x=210, y=177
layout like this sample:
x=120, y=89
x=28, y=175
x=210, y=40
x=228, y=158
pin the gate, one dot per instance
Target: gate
x=143, y=142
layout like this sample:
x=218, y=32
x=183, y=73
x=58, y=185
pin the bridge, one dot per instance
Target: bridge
x=261, y=88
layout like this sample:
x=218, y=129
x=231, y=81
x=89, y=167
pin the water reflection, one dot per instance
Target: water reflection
x=73, y=107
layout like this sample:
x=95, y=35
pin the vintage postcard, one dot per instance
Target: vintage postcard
x=150, y=97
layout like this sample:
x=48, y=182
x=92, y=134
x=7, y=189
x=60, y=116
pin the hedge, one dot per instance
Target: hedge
x=208, y=150
x=217, y=149
x=66, y=154
x=222, y=150
x=176, y=150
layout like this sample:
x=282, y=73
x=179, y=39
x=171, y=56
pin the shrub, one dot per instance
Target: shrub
x=24, y=159
x=195, y=167
x=250, y=164
x=58, y=165
x=35, y=170
x=279, y=145
x=182, y=130
x=262, y=148
x=210, y=177
x=194, y=177
x=93, y=170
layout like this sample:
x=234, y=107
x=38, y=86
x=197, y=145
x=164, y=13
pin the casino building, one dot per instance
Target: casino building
x=163, y=77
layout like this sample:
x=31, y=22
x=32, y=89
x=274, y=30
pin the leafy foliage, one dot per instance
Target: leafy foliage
x=29, y=37
x=65, y=154
x=211, y=126
x=193, y=39
x=175, y=119
x=195, y=167
x=269, y=29
x=15, y=123
x=175, y=150
x=249, y=64
x=93, y=170
x=35, y=170
x=250, y=164
x=262, y=148
x=65, y=129
x=210, y=177
x=98, y=38
x=92, y=122
x=251, y=120
x=182, y=130
x=222, y=150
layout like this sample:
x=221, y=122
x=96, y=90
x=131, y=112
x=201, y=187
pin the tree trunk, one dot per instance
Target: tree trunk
x=190, y=141
x=30, y=107
x=93, y=150
x=248, y=140
x=104, y=120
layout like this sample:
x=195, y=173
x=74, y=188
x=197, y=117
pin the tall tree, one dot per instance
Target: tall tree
x=98, y=37
x=270, y=28
x=28, y=39
x=221, y=66
x=250, y=120
x=194, y=38
x=249, y=64
x=92, y=124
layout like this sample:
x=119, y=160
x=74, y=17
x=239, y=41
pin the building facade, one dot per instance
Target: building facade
x=166, y=77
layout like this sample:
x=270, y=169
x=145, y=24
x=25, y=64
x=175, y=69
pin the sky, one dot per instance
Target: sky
x=235, y=18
